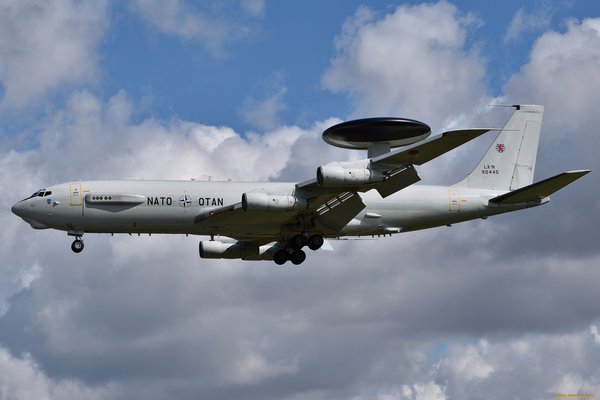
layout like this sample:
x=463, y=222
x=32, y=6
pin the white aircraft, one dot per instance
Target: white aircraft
x=276, y=220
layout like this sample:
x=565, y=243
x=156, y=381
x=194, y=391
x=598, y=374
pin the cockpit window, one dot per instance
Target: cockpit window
x=39, y=193
x=48, y=193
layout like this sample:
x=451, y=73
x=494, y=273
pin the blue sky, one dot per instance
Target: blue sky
x=293, y=45
x=288, y=46
x=242, y=89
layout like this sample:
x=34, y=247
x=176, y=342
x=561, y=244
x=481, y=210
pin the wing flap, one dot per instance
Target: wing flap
x=536, y=192
x=340, y=210
x=397, y=180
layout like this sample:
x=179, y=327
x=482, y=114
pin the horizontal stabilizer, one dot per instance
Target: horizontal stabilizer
x=539, y=190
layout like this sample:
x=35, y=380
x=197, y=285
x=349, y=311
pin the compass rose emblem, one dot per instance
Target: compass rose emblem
x=185, y=201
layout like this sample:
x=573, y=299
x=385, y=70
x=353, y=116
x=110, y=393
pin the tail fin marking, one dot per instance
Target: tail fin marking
x=509, y=163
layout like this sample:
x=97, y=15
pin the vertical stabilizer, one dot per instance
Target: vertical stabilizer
x=509, y=163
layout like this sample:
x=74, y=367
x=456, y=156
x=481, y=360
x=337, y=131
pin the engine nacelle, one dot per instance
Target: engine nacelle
x=216, y=249
x=336, y=175
x=257, y=201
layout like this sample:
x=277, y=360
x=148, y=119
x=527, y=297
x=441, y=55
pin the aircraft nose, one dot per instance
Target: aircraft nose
x=18, y=208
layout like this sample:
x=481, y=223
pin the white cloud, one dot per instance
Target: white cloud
x=87, y=130
x=524, y=22
x=151, y=318
x=555, y=364
x=469, y=363
x=251, y=368
x=563, y=74
x=46, y=46
x=414, y=62
x=264, y=114
x=595, y=335
x=571, y=384
x=108, y=314
x=208, y=24
x=429, y=391
x=253, y=7
x=22, y=379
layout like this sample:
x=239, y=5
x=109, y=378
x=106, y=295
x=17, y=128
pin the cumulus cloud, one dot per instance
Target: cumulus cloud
x=414, y=61
x=595, y=335
x=562, y=73
x=469, y=363
x=548, y=361
x=570, y=61
x=22, y=378
x=45, y=46
x=174, y=149
x=161, y=323
x=264, y=114
x=488, y=309
x=79, y=141
x=524, y=22
x=207, y=24
x=253, y=7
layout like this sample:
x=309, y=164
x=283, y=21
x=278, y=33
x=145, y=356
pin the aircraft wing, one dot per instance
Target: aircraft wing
x=397, y=166
x=332, y=207
x=430, y=149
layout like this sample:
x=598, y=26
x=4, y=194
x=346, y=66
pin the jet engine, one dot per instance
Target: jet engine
x=231, y=250
x=257, y=201
x=336, y=175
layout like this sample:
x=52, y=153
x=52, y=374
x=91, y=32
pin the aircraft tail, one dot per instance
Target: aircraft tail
x=509, y=163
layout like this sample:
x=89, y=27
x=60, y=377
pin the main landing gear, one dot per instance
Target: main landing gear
x=77, y=245
x=293, y=250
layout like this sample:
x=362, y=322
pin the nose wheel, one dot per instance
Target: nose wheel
x=77, y=245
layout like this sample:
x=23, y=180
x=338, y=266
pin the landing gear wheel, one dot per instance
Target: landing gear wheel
x=77, y=246
x=298, y=257
x=315, y=242
x=281, y=257
x=298, y=242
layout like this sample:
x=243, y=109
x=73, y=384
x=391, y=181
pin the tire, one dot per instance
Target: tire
x=298, y=242
x=315, y=242
x=77, y=246
x=280, y=257
x=298, y=257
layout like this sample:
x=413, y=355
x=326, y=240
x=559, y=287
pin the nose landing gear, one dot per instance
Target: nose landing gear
x=77, y=245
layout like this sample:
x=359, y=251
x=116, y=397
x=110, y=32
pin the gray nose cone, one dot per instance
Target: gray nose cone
x=17, y=208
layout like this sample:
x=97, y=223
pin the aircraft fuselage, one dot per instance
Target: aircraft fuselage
x=276, y=220
x=171, y=206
